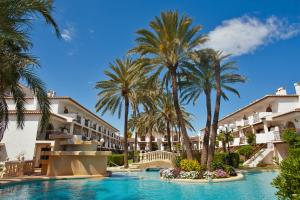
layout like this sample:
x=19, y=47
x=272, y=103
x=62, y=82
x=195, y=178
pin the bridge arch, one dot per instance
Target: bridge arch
x=157, y=159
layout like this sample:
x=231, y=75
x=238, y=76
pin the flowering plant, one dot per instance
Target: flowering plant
x=189, y=175
x=219, y=173
x=170, y=173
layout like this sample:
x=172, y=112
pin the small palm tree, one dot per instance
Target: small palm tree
x=201, y=78
x=119, y=91
x=167, y=44
x=16, y=64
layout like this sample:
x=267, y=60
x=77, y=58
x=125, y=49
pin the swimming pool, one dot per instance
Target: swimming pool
x=143, y=185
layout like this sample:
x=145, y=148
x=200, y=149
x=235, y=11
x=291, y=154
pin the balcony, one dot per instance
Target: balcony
x=259, y=116
x=268, y=137
x=46, y=135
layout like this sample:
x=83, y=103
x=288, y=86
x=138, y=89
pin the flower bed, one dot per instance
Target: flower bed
x=192, y=170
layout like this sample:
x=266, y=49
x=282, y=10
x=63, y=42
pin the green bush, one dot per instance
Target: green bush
x=190, y=165
x=196, y=155
x=217, y=165
x=177, y=161
x=290, y=137
x=232, y=159
x=251, y=138
x=230, y=170
x=246, y=151
x=115, y=159
x=288, y=181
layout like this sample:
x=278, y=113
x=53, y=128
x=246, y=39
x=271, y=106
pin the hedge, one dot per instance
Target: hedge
x=115, y=159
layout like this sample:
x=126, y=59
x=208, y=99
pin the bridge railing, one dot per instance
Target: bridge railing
x=157, y=155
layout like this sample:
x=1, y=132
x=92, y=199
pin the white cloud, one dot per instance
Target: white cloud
x=68, y=33
x=245, y=34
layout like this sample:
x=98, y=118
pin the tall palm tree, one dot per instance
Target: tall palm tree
x=16, y=64
x=167, y=44
x=201, y=78
x=120, y=90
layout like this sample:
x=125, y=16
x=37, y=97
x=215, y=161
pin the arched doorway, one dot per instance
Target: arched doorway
x=290, y=125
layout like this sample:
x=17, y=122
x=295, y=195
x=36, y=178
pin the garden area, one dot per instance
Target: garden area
x=223, y=166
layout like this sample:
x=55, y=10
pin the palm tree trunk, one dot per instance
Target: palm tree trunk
x=204, y=152
x=211, y=151
x=126, y=133
x=224, y=146
x=181, y=122
x=150, y=142
x=169, y=136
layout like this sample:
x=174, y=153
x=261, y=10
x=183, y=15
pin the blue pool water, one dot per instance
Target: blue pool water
x=143, y=185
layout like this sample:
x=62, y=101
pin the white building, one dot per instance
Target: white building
x=67, y=116
x=160, y=142
x=266, y=117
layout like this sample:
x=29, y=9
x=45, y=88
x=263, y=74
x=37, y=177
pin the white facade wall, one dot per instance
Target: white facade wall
x=21, y=141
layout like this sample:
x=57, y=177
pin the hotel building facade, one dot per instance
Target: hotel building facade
x=67, y=116
x=266, y=118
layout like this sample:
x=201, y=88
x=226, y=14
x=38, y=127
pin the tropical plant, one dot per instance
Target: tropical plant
x=225, y=138
x=246, y=151
x=251, y=138
x=288, y=181
x=190, y=165
x=17, y=65
x=167, y=45
x=206, y=72
x=119, y=90
x=290, y=136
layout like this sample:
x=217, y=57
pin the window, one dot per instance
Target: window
x=269, y=109
x=86, y=122
x=66, y=111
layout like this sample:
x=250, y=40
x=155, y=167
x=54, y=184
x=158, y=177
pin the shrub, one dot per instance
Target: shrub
x=288, y=181
x=232, y=159
x=219, y=173
x=190, y=165
x=290, y=137
x=217, y=165
x=251, y=138
x=246, y=151
x=196, y=155
x=177, y=161
x=115, y=159
x=230, y=170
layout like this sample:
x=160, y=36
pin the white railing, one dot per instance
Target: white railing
x=157, y=155
x=267, y=137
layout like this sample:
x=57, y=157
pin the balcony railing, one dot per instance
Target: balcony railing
x=268, y=137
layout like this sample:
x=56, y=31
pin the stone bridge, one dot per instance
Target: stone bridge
x=155, y=159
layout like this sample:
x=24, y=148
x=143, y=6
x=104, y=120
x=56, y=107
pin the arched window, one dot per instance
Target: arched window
x=269, y=109
x=66, y=111
x=290, y=125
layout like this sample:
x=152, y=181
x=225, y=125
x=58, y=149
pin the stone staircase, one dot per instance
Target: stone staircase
x=261, y=154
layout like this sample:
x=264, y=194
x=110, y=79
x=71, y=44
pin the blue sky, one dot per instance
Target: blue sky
x=263, y=36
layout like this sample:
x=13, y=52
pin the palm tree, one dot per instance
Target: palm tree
x=121, y=88
x=225, y=138
x=16, y=64
x=200, y=77
x=167, y=44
